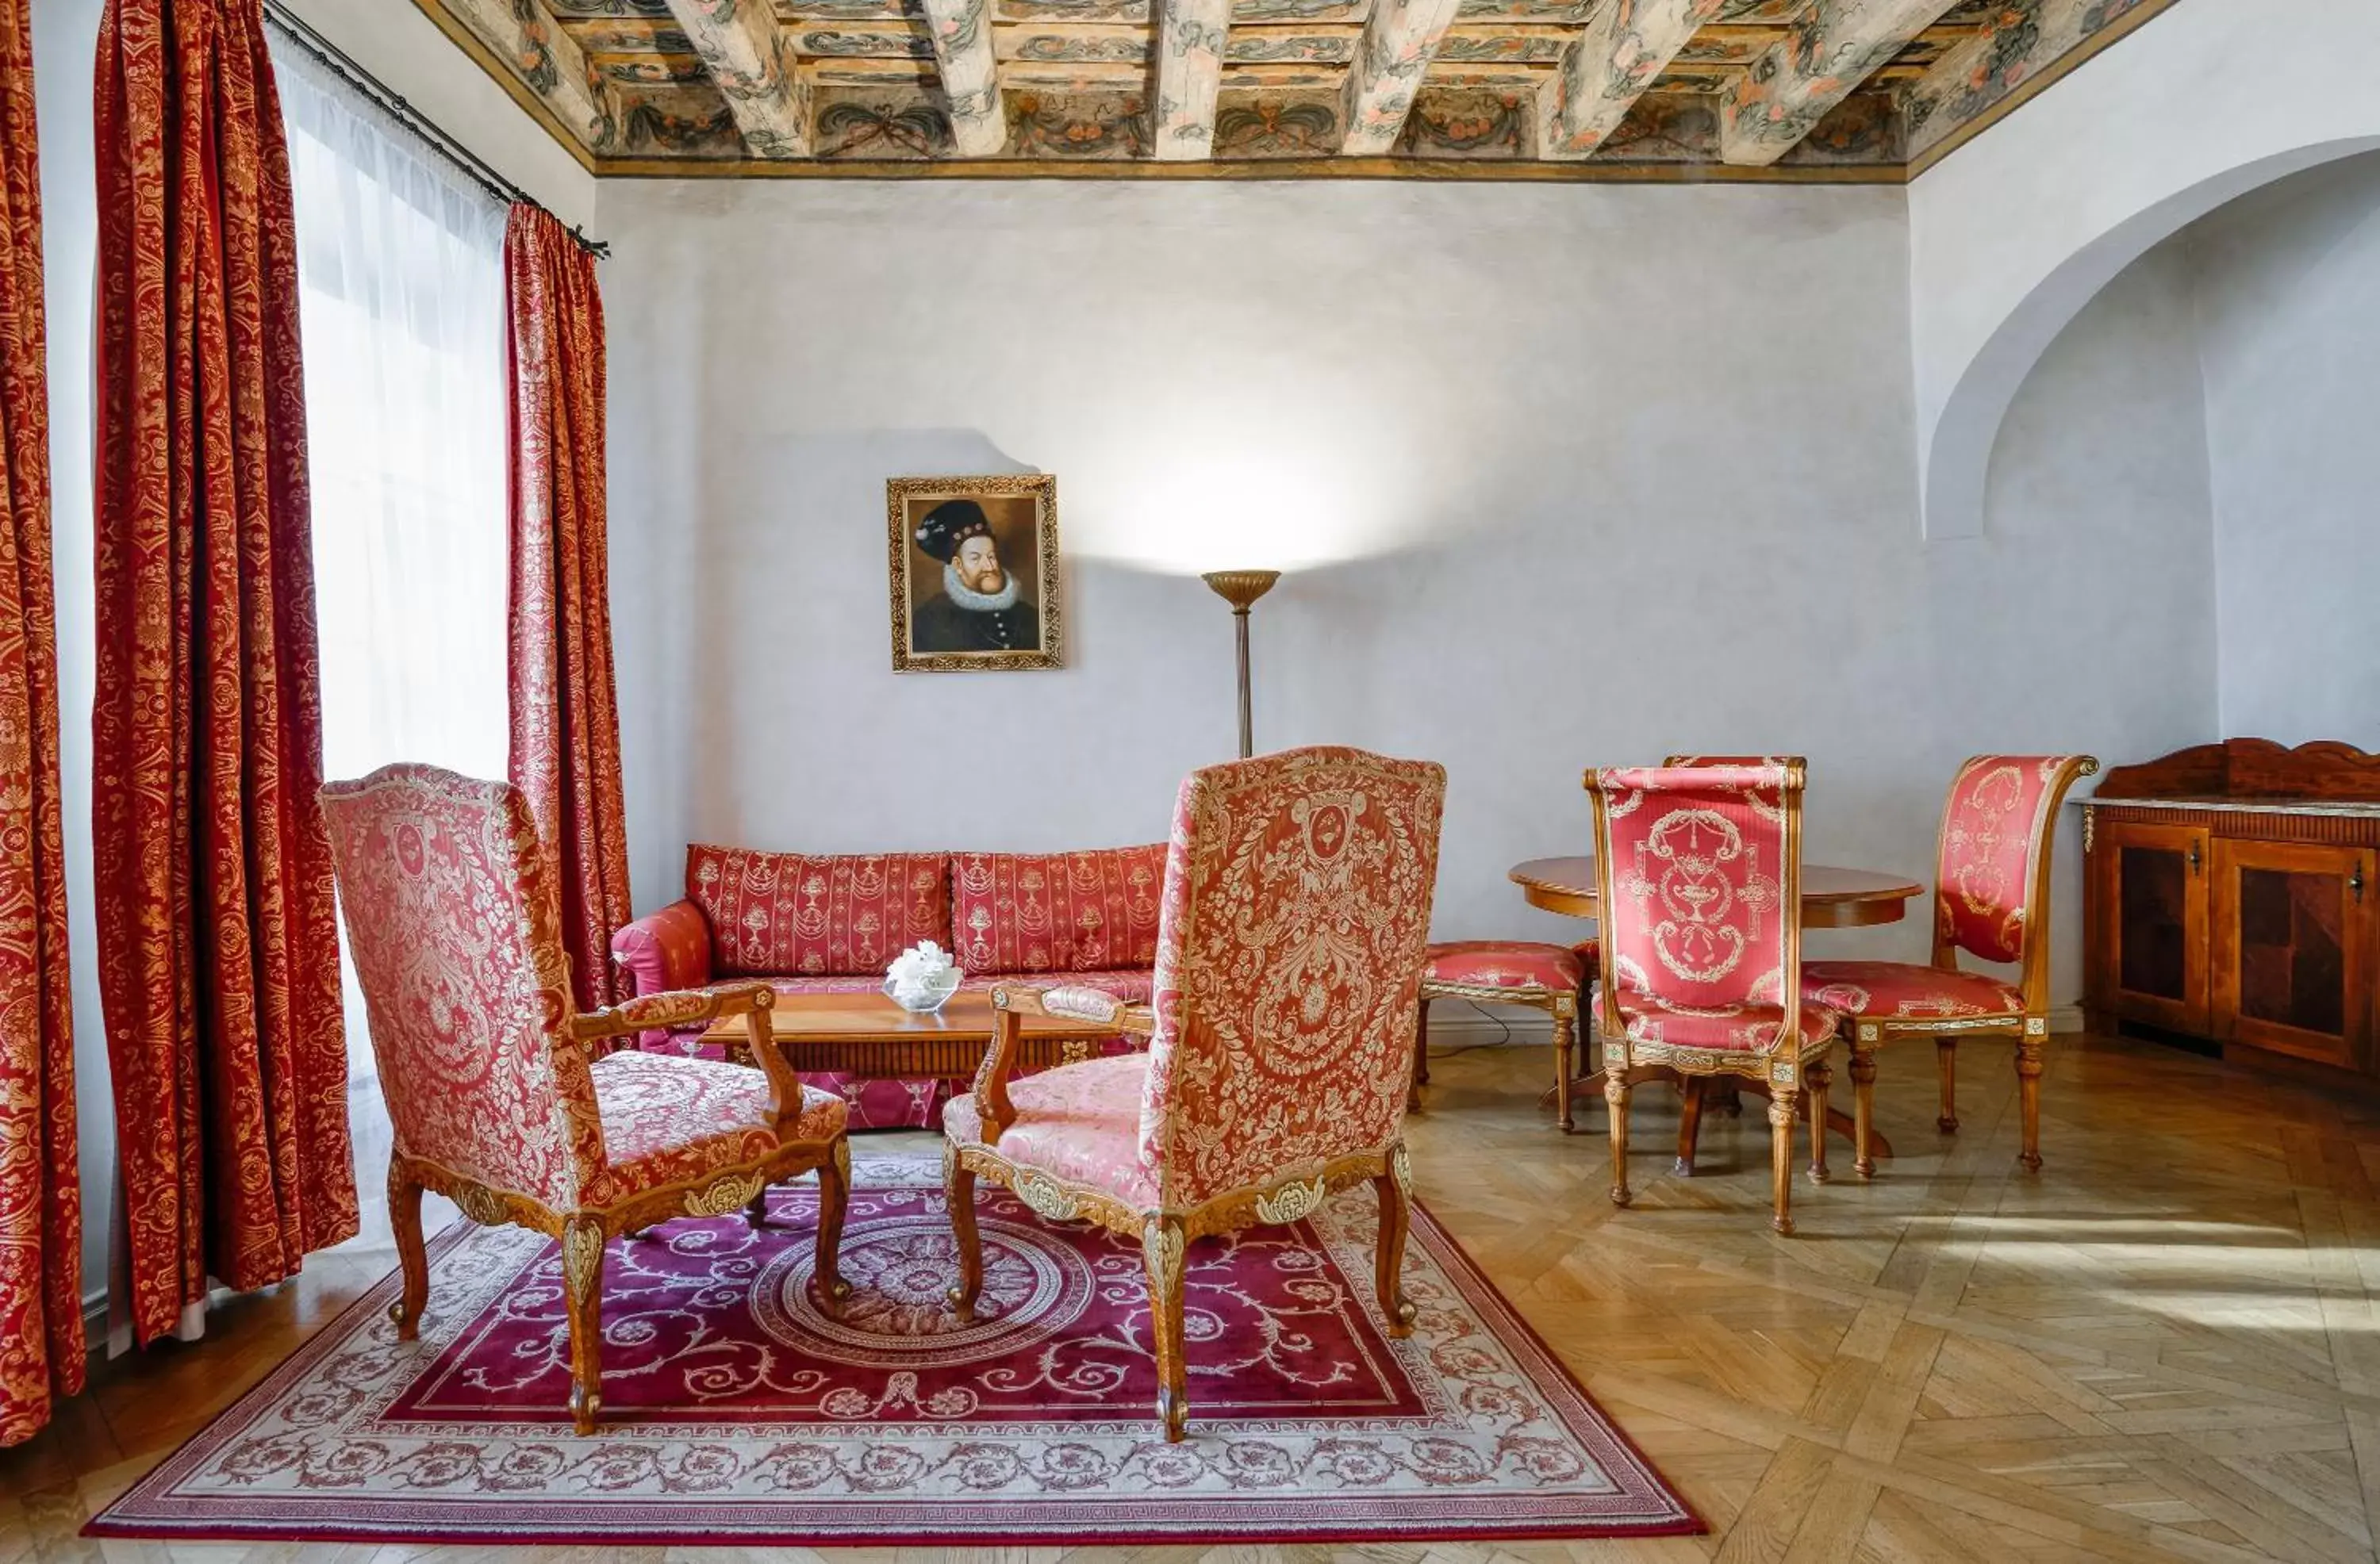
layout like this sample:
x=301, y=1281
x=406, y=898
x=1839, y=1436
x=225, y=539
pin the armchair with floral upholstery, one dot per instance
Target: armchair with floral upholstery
x=495, y=1097
x=1991, y=899
x=1698, y=873
x=1290, y=948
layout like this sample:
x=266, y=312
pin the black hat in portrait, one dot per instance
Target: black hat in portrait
x=980, y=607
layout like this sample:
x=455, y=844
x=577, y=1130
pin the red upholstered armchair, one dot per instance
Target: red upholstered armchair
x=1991, y=899
x=1698, y=874
x=454, y=925
x=1289, y=958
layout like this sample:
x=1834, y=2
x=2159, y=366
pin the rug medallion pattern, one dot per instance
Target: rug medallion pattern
x=737, y=1409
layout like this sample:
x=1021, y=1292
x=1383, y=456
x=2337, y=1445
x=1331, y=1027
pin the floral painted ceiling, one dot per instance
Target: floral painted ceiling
x=1844, y=89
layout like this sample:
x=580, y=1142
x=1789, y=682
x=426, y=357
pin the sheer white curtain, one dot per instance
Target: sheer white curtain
x=401, y=284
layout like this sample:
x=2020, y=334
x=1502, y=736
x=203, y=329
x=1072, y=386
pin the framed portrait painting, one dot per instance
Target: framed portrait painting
x=974, y=572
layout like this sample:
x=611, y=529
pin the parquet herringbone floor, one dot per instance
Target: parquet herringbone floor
x=2163, y=1346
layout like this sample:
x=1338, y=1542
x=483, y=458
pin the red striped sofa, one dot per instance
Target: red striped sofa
x=832, y=924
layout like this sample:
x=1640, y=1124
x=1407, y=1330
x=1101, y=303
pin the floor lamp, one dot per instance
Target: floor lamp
x=1241, y=588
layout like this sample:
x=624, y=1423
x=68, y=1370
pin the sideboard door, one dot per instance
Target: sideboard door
x=2149, y=928
x=2292, y=947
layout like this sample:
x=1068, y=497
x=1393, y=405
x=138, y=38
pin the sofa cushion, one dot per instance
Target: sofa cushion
x=775, y=914
x=1057, y=911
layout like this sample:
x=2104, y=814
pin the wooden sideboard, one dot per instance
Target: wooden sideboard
x=2231, y=893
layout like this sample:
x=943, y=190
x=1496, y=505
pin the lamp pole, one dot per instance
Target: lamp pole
x=1241, y=588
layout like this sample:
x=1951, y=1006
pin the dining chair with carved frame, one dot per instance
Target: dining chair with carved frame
x=1698, y=874
x=496, y=1093
x=1280, y=1033
x=1992, y=901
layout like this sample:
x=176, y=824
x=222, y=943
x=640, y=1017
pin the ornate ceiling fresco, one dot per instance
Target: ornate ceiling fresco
x=1843, y=89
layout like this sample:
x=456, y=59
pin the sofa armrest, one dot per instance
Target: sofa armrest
x=662, y=953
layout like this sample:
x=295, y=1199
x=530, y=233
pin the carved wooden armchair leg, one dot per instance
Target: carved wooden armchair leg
x=834, y=1200
x=1863, y=1106
x=1565, y=1039
x=1784, y=1113
x=1421, y=1057
x=958, y=1194
x=412, y=1257
x=1394, y=1187
x=582, y=1291
x=1946, y=1060
x=1822, y=1076
x=1161, y=1247
x=1615, y=1099
x=1690, y=1122
x=2028, y=1089
x=756, y=1212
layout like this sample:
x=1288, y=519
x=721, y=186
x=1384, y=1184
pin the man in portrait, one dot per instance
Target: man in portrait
x=980, y=607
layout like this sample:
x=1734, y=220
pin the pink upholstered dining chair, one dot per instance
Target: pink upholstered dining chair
x=1289, y=956
x=455, y=927
x=1991, y=899
x=1698, y=872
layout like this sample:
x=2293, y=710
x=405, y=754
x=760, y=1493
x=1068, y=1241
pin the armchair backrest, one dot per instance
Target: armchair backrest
x=454, y=928
x=1698, y=878
x=1289, y=956
x=1991, y=893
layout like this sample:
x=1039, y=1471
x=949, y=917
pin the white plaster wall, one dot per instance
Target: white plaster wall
x=2287, y=290
x=1620, y=503
x=2083, y=618
x=2012, y=233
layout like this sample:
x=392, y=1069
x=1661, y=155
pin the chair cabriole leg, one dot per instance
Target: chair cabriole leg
x=834, y=1200
x=582, y=1291
x=1421, y=1056
x=2028, y=1090
x=1161, y=1247
x=1822, y=1076
x=757, y=1213
x=1946, y=1061
x=958, y=1194
x=1784, y=1110
x=412, y=1257
x=1393, y=1187
x=1615, y=1099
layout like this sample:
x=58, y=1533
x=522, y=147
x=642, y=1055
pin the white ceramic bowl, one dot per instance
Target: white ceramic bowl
x=933, y=999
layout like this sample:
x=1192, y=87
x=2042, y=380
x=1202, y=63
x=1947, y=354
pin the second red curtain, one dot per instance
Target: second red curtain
x=565, y=725
x=218, y=952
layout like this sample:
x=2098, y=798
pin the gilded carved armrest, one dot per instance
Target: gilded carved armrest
x=689, y=1007
x=1065, y=1002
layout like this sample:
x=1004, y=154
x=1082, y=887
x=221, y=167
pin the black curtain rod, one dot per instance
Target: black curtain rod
x=332, y=57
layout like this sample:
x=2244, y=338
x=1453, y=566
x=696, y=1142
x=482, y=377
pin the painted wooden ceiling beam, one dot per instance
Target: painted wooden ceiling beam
x=1397, y=46
x=1625, y=46
x=1828, y=53
x=962, y=33
x=753, y=66
x=526, y=38
x=1190, y=36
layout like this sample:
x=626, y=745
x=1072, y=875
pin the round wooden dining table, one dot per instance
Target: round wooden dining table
x=1831, y=898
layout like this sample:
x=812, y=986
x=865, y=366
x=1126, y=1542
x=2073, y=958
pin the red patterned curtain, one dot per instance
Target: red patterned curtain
x=566, y=727
x=218, y=952
x=41, y=1193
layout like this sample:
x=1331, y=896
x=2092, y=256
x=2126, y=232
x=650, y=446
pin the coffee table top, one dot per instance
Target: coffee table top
x=845, y=1018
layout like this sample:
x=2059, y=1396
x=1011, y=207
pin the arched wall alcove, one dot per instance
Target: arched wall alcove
x=2011, y=235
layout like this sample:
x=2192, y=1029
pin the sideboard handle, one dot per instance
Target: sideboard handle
x=2193, y=857
x=2355, y=883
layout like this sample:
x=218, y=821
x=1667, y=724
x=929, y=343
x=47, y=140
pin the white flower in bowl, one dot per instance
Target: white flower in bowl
x=922, y=977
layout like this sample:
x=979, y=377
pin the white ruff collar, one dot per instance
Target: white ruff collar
x=969, y=598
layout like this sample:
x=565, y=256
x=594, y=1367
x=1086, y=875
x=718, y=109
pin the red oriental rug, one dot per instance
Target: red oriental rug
x=737, y=1411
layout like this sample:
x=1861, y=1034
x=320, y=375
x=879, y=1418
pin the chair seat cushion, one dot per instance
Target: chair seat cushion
x=1507, y=964
x=1741, y=1028
x=1079, y=1124
x=667, y=1119
x=1885, y=988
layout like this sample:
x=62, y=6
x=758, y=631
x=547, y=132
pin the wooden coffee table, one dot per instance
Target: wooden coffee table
x=870, y=1037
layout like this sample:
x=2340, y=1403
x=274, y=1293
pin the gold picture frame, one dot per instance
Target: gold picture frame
x=959, y=605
